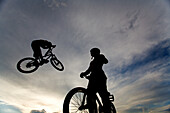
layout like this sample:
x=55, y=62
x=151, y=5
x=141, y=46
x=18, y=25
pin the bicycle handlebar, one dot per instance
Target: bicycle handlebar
x=53, y=46
x=49, y=50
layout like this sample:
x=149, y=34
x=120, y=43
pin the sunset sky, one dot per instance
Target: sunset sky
x=134, y=35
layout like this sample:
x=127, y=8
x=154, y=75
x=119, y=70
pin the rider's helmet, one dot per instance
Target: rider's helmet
x=95, y=52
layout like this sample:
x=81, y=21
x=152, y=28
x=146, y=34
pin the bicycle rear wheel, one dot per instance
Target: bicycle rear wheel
x=73, y=101
x=113, y=109
x=56, y=64
x=27, y=65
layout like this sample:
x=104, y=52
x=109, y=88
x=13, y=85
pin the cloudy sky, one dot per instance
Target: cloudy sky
x=133, y=34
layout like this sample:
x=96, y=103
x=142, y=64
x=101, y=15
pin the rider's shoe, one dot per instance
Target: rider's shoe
x=82, y=107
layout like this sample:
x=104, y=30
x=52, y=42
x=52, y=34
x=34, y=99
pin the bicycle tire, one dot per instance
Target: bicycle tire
x=113, y=109
x=73, y=101
x=23, y=67
x=57, y=64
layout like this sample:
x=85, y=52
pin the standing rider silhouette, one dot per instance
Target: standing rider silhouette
x=97, y=82
x=36, y=47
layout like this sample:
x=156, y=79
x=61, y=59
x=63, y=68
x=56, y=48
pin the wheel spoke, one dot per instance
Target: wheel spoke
x=76, y=98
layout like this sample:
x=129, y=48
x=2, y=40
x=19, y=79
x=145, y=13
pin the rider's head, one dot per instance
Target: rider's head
x=95, y=52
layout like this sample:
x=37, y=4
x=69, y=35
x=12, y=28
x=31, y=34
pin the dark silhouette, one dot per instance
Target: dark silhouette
x=30, y=64
x=36, y=47
x=97, y=82
x=75, y=102
x=84, y=100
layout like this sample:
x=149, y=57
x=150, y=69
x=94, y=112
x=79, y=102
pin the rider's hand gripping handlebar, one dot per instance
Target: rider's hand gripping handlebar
x=53, y=46
x=83, y=75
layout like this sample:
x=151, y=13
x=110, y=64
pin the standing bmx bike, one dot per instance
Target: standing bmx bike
x=30, y=64
x=76, y=102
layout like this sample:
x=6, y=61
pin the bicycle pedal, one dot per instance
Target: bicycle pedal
x=82, y=107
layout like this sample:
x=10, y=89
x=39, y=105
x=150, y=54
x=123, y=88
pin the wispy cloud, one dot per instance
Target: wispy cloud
x=145, y=80
x=38, y=111
x=55, y=3
x=134, y=36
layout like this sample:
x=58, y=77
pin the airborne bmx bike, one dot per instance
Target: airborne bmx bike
x=30, y=64
x=76, y=102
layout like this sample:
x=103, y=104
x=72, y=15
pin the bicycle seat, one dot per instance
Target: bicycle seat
x=111, y=98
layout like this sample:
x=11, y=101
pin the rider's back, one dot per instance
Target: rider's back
x=41, y=43
x=96, y=67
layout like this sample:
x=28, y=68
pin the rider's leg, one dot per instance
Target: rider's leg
x=106, y=102
x=36, y=50
x=91, y=98
x=104, y=94
x=91, y=102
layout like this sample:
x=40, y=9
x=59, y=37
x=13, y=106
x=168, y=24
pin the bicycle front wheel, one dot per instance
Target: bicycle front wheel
x=56, y=64
x=75, y=99
x=27, y=65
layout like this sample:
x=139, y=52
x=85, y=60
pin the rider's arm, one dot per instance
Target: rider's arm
x=47, y=45
x=86, y=72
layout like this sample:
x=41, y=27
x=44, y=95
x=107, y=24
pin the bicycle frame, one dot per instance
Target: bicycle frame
x=49, y=53
x=83, y=102
x=111, y=98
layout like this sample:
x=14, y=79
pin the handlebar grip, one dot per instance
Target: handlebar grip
x=53, y=46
